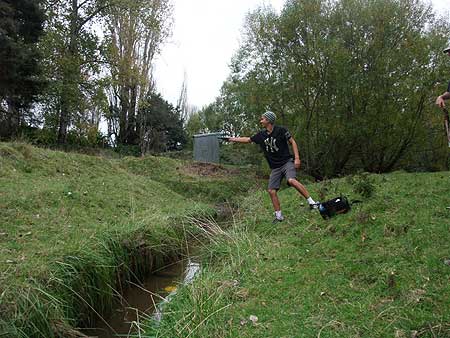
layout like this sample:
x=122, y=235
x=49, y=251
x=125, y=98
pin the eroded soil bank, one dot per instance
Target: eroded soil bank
x=140, y=301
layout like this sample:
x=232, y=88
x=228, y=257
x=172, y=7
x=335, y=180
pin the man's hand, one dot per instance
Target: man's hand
x=440, y=102
x=297, y=163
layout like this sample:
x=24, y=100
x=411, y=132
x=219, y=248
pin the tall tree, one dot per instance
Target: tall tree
x=182, y=103
x=162, y=125
x=73, y=62
x=135, y=31
x=353, y=79
x=21, y=25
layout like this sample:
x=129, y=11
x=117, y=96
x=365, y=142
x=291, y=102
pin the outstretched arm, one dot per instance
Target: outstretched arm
x=240, y=139
x=296, y=155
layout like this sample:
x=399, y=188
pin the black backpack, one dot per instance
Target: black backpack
x=335, y=206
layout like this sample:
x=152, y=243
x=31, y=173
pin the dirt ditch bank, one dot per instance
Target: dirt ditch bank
x=144, y=300
x=107, y=288
x=81, y=287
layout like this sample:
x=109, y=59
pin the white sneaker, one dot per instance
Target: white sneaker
x=278, y=219
x=314, y=206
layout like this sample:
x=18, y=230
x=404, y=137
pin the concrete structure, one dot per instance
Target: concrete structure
x=206, y=147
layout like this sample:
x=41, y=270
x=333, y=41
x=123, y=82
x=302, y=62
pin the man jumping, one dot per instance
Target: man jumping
x=274, y=140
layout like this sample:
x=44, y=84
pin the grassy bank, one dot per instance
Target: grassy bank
x=379, y=271
x=75, y=228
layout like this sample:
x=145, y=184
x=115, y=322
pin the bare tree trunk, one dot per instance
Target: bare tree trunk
x=63, y=121
x=123, y=118
x=182, y=102
x=137, y=29
x=70, y=77
x=10, y=128
x=132, y=137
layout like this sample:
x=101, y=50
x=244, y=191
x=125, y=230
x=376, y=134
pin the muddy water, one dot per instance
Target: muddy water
x=144, y=299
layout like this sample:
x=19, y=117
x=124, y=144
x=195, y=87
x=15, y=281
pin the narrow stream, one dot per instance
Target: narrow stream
x=145, y=300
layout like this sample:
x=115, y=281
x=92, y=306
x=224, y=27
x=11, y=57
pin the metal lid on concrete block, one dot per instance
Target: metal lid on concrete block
x=208, y=135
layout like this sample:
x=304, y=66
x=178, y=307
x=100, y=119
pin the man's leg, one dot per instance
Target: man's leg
x=299, y=187
x=302, y=190
x=274, y=184
x=291, y=177
x=275, y=200
x=276, y=205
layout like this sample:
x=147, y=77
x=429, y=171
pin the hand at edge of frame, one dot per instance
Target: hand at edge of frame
x=440, y=102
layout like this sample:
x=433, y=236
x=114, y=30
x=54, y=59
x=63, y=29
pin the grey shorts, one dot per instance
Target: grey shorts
x=287, y=170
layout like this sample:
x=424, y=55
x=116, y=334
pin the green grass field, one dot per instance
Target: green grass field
x=378, y=271
x=74, y=227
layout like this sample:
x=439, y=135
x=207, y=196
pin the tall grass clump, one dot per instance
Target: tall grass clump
x=202, y=309
x=81, y=287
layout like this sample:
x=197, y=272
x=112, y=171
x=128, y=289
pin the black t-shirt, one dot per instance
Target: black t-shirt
x=274, y=145
x=448, y=87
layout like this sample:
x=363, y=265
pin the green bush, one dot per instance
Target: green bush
x=363, y=184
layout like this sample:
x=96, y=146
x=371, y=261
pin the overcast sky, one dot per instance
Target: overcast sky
x=205, y=36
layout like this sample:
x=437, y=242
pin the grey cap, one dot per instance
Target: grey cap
x=446, y=50
x=270, y=116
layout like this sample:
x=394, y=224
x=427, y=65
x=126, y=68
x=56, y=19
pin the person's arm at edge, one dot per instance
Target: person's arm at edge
x=240, y=139
x=440, y=101
x=295, y=150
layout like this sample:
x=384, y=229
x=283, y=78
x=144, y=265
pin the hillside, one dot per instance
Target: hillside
x=74, y=226
x=381, y=270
